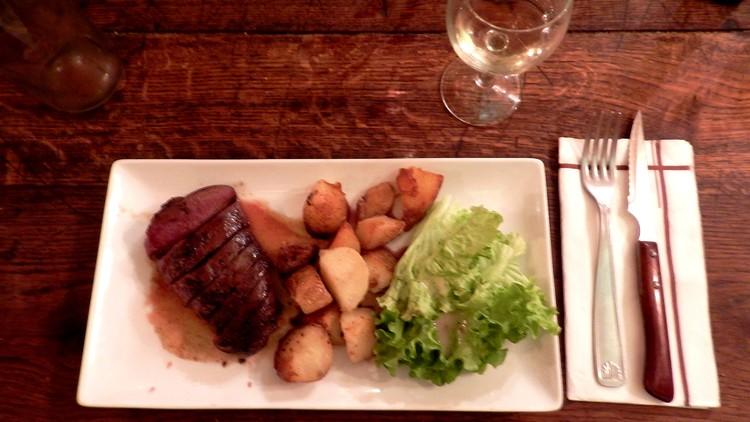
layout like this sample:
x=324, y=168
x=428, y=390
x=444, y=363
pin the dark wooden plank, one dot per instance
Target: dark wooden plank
x=395, y=15
x=237, y=96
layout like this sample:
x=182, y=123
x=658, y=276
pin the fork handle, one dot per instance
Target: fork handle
x=608, y=360
x=657, y=376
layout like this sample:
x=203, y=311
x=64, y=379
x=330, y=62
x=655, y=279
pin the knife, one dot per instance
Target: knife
x=657, y=377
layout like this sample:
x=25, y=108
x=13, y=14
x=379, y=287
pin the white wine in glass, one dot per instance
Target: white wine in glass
x=496, y=41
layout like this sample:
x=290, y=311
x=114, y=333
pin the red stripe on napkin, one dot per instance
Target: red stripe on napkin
x=625, y=167
x=670, y=265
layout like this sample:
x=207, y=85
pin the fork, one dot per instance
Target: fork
x=598, y=172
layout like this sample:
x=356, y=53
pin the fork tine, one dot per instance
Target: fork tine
x=613, y=140
x=607, y=145
x=601, y=143
x=598, y=158
x=587, y=154
x=596, y=153
x=611, y=165
x=586, y=158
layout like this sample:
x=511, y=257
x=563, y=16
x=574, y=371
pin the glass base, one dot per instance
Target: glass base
x=476, y=98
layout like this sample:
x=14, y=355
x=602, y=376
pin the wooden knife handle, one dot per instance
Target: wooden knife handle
x=657, y=377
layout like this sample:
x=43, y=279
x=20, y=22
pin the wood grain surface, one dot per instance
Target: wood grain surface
x=198, y=87
x=336, y=96
x=397, y=15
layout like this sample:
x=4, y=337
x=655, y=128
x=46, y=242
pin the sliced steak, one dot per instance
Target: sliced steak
x=221, y=290
x=250, y=291
x=181, y=215
x=193, y=283
x=248, y=332
x=216, y=267
x=198, y=245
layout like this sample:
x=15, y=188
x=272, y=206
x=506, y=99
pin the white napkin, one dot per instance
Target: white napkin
x=693, y=363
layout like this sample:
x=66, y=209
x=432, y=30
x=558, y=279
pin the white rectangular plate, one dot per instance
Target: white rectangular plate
x=124, y=364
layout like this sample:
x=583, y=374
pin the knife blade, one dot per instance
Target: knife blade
x=657, y=377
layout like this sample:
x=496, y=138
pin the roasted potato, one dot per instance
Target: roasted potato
x=345, y=274
x=328, y=318
x=375, y=232
x=397, y=211
x=285, y=247
x=417, y=191
x=380, y=264
x=378, y=200
x=346, y=237
x=305, y=354
x=290, y=312
x=325, y=208
x=322, y=243
x=358, y=327
x=307, y=290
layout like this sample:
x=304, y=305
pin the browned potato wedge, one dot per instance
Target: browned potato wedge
x=371, y=301
x=380, y=264
x=397, y=211
x=289, y=313
x=378, y=200
x=345, y=274
x=358, y=327
x=418, y=189
x=285, y=247
x=346, y=237
x=375, y=232
x=322, y=243
x=325, y=208
x=307, y=290
x=328, y=318
x=305, y=354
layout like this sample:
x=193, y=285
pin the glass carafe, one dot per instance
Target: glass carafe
x=50, y=49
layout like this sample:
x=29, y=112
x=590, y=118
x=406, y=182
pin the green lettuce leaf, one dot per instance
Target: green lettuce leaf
x=457, y=297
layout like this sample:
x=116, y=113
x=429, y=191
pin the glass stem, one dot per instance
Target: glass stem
x=484, y=80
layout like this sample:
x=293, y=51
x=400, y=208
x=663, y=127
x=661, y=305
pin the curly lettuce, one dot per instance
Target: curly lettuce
x=457, y=297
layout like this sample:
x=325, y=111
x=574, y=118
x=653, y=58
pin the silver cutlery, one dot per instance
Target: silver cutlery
x=598, y=175
x=657, y=377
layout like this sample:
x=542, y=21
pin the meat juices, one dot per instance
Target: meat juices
x=206, y=255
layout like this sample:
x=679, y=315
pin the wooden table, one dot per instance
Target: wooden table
x=354, y=78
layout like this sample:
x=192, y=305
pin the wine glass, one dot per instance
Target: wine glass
x=496, y=41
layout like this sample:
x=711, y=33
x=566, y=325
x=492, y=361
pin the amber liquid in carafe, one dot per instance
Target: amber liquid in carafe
x=52, y=51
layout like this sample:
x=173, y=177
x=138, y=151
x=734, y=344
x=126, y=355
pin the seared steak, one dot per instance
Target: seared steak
x=193, y=283
x=216, y=267
x=221, y=290
x=181, y=215
x=200, y=244
x=246, y=330
x=249, y=291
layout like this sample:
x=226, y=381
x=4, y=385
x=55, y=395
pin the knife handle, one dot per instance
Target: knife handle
x=657, y=377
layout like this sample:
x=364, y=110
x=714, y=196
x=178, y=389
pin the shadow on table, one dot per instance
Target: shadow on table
x=67, y=324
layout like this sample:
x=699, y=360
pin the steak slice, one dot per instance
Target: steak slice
x=193, y=283
x=198, y=245
x=248, y=332
x=217, y=293
x=250, y=291
x=181, y=215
